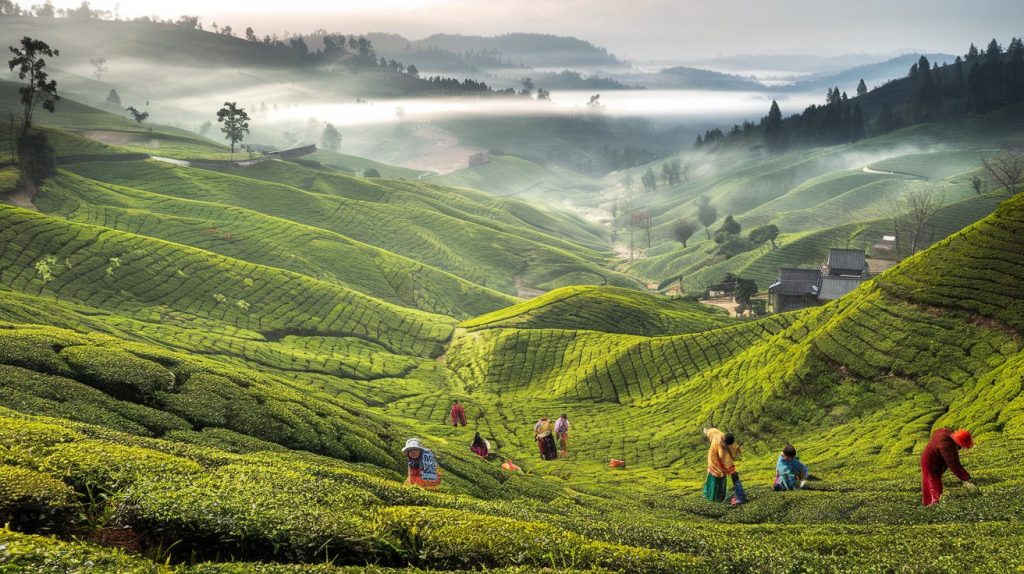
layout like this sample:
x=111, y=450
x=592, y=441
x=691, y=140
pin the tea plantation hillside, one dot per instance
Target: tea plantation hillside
x=841, y=196
x=220, y=465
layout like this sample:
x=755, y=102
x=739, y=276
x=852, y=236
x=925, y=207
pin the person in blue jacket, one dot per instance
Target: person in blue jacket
x=790, y=473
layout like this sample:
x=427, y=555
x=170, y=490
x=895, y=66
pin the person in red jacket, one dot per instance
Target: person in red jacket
x=458, y=415
x=942, y=452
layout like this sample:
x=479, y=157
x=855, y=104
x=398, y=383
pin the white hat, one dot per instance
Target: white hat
x=411, y=444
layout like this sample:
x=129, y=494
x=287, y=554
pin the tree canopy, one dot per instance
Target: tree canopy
x=330, y=138
x=706, y=213
x=683, y=230
x=236, y=123
x=765, y=233
x=38, y=87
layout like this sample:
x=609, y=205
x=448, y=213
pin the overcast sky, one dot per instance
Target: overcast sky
x=635, y=29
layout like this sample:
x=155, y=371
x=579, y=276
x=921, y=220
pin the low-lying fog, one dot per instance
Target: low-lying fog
x=678, y=105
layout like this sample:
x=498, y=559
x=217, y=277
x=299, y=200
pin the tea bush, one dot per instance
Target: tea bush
x=33, y=501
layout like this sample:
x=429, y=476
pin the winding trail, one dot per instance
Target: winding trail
x=867, y=169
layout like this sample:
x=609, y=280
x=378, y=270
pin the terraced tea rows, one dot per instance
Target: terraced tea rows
x=138, y=273
x=607, y=309
x=247, y=235
x=473, y=251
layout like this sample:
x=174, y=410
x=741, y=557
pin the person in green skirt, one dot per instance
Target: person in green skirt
x=721, y=465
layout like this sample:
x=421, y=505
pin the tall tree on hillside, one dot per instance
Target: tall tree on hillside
x=250, y=34
x=1007, y=168
x=236, y=123
x=914, y=212
x=1014, y=84
x=672, y=172
x=729, y=229
x=35, y=155
x=113, y=99
x=330, y=138
x=413, y=71
x=745, y=289
x=774, y=138
x=765, y=233
x=649, y=180
x=862, y=88
x=38, y=87
x=683, y=230
x=706, y=214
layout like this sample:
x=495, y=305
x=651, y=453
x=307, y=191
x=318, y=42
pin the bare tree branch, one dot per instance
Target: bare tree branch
x=1007, y=168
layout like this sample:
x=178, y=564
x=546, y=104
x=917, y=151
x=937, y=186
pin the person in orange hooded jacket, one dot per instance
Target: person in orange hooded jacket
x=942, y=452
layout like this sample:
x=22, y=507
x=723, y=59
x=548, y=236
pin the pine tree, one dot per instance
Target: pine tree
x=862, y=88
x=773, y=134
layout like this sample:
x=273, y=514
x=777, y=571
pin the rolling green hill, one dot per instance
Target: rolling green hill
x=195, y=449
x=606, y=309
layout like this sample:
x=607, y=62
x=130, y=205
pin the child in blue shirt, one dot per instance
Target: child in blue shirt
x=790, y=473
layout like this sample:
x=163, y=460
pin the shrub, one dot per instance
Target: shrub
x=24, y=554
x=117, y=373
x=33, y=501
x=253, y=512
x=93, y=464
x=454, y=539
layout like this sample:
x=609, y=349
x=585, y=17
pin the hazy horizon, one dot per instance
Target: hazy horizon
x=649, y=29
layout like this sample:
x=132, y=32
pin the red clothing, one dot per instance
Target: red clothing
x=940, y=453
x=458, y=415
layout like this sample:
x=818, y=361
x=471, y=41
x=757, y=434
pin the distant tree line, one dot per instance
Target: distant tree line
x=978, y=82
x=355, y=52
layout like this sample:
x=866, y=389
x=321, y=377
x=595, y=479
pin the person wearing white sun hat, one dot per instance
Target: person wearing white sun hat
x=422, y=465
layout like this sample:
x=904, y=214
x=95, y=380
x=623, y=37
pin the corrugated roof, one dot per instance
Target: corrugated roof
x=797, y=282
x=836, y=287
x=846, y=259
